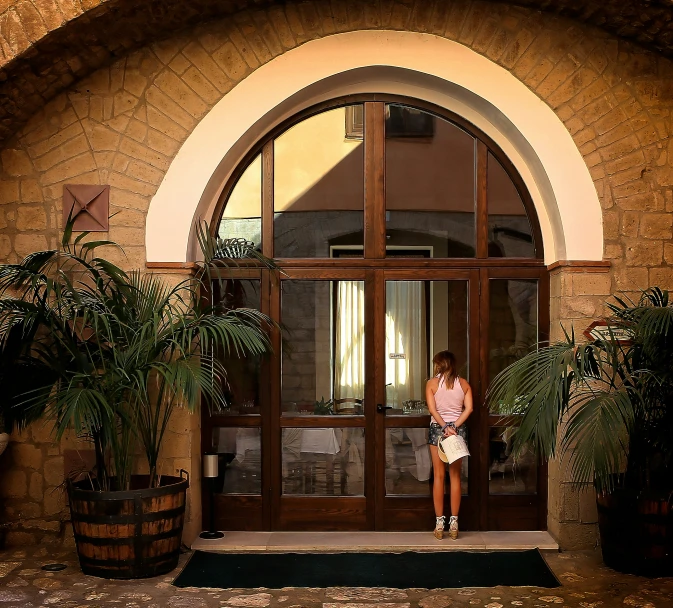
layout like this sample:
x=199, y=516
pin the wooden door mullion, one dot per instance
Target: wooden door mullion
x=274, y=488
x=267, y=199
x=475, y=464
x=482, y=199
x=376, y=419
x=483, y=436
x=375, y=204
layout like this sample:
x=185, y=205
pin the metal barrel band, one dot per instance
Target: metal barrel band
x=127, y=540
x=128, y=519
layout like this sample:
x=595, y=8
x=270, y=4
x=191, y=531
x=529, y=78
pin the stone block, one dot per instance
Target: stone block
x=176, y=445
x=25, y=244
x=31, y=218
x=668, y=253
x=101, y=137
x=9, y=191
x=574, y=536
x=43, y=525
x=27, y=456
x=630, y=222
x=14, y=484
x=54, y=501
x=588, y=513
x=17, y=538
x=156, y=98
x=16, y=162
x=644, y=253
x=231, y=62
x=70, y=169
x=656, y=226
x=594, y=284
x=53, y=471
x=661, y=277
x=31, y=191
x=42, y=432
x=35, y=489
x=203, y=61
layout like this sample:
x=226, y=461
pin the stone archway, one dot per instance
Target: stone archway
x=420, y=65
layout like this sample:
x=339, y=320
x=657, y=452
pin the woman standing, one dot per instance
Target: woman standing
x=449, y=399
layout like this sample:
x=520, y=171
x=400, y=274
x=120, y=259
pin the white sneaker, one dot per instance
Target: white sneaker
x=439, y=528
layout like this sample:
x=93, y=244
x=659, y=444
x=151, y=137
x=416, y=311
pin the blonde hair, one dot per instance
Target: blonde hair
x=444, y=366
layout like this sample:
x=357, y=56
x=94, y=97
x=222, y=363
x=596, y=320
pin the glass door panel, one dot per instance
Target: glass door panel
x=323, y=358
x=421, y=318
x=513, y=332
x=321, y=469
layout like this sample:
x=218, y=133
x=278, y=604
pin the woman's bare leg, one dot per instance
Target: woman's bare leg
x=454, y=477
x=439, y=471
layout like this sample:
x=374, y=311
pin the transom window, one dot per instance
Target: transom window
x=446, y=190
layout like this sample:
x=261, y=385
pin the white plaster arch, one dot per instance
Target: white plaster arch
x=424, y=66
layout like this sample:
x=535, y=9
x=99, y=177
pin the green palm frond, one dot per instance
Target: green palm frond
x=606, y=401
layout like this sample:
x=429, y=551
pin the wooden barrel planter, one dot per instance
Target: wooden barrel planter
x=129, y=534
x=636, y=533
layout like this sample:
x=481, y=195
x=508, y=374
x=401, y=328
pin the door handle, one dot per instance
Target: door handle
x=381, y=409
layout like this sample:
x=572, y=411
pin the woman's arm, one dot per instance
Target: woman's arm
x=468, y=403
x=430, y=389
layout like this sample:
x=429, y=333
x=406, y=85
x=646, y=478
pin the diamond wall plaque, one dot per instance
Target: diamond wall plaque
x=90, y=206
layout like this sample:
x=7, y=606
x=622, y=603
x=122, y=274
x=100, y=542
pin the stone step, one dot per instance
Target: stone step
x=329, y=542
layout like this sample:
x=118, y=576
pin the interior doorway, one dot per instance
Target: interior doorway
x=400, y=230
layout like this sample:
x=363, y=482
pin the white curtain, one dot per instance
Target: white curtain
x=405, y=338
x=406, y=365
x=349, y=359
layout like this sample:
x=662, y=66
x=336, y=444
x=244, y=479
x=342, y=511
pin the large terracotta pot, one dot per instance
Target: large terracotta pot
x=636, y=532
x=129, y=534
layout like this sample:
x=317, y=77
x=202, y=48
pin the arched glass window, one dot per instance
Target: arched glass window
x=443, y=189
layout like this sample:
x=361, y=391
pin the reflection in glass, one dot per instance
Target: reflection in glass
x=509, y=231
x=430, y=185
x=513, y=332
x=327, y=462
x=422, y=318
x=242, y=389
x=409, y=465
x=513, y=322
x=510, y=473
x=239, y=453
x=323, y=358
x=319, y=185
x=242, y=216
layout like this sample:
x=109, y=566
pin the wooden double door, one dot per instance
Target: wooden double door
x=330, y=432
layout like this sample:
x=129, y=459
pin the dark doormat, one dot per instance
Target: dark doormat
x=397, y=570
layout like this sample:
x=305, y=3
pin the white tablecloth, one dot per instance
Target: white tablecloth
x=320, y=441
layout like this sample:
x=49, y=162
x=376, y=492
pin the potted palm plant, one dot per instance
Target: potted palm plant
x=606, y=406
x=111, y=355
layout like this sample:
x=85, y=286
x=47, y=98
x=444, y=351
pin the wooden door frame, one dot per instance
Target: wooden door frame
x=374, y=267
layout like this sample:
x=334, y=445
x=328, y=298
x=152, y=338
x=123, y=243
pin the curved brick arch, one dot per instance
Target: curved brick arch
x=124, y=124
x=46, y=45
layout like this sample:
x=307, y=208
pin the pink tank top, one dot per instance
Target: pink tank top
x=449, y=401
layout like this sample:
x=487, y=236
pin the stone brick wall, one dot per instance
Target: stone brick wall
x=46, y=45
x=124, y=123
